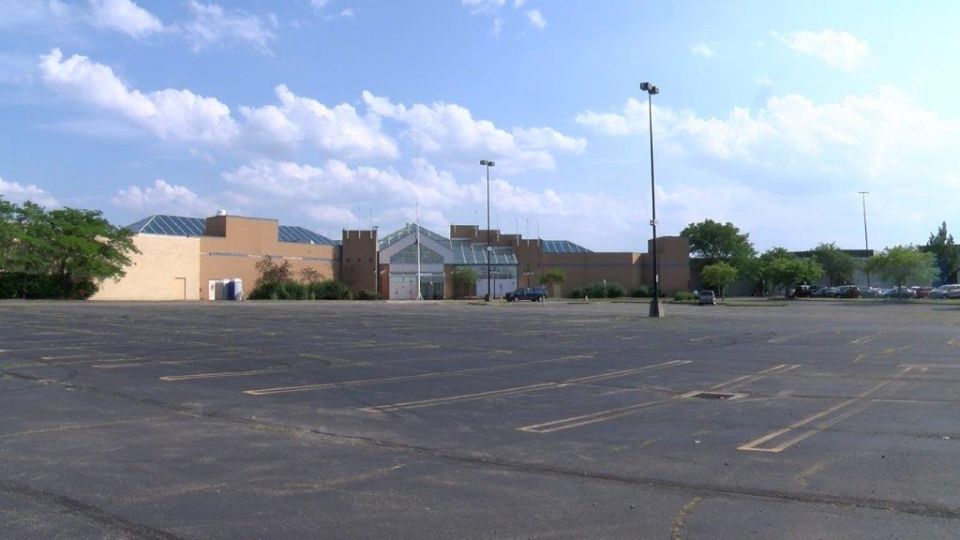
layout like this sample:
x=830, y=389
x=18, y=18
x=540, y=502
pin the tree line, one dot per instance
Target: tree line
x=728, y=255
x=60, y=253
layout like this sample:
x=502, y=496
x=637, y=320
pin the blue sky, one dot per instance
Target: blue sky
x=345, y=113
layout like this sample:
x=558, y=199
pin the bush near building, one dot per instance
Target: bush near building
x=276, y=283
x=63, y=253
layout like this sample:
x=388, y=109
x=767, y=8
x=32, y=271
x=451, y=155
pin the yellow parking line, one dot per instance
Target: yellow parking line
x=458, y=398
x=611, y=414
x=740, y=381
x=172, y=378
x=431, y=375
x=593, y=418
x=518, y=389
x=755, y=445
x=864, y=339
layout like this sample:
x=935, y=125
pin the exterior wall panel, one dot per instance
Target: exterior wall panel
x=167, y=268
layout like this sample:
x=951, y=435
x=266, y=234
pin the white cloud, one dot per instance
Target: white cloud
x=499, y=13
x=839, y=49
x=19, y=193
x=443, y=127
x=181, y=115
x=335, y=181
x=55, y=16
x=335, y=194
x=34, y=13
x=319, y=4
x=337, y=129
x=211, y=25
x=702, y=49
x=483, y=6
x=163, y=197
x=858, y=133
x=347, y=13
x=124, y=16
x=170, y=114
x=796, y=164
x=536, y=19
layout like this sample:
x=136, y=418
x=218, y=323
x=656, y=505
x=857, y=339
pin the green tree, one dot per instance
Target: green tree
x=464, y=278
x=946, y=252
x=904, y=264
x=85, y=248
x=272, y=273
x=717, y=242
x=552, y=277
x=7, y=214
x=718, y=275
x=780, y=268
x=838, y=266
x=28, y=254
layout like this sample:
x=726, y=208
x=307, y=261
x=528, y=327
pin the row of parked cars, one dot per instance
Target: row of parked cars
x=855, y=291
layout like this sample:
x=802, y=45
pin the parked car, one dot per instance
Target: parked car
x=899, y=292
x=940, y=293
x=708, y=297
x=827, y=292
x=534, y=294
x=848, y=291
x=870, y=292
x=921, y=292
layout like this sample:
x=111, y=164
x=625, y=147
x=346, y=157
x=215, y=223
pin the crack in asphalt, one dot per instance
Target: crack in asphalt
x=88, y=512
x=697, y=489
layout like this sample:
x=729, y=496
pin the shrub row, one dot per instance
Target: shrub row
x=289, y=289
x=599, y=290
x=43, y=286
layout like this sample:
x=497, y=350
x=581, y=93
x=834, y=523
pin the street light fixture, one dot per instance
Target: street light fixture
x=656, y=307
x=866, y=241
x=487, y=163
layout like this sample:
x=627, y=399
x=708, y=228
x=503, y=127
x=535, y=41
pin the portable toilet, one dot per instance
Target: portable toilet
x=212, y=289
x=234, y=289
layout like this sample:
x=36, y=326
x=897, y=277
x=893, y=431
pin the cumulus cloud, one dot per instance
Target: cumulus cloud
x=498, y=12
x=328, y=191
x=535, y=18
x=211, y=24
x=795, y=153
x=702, y=49
x=450, y=127
x=162, y=197
x=338, y=129
x=55, y=16
x=170, y=114
x=124, y=16
x=839, y=49
x=19, y=193
x=863, y=134
x=483, y=6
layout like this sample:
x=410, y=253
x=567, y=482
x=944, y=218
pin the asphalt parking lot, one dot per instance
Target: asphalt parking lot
x=452, y=420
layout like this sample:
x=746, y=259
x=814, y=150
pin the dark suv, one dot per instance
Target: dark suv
x=534, y=294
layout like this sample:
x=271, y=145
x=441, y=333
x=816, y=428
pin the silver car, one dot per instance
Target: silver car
x=708, y=297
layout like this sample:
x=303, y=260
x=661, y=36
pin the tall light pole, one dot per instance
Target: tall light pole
x=656, y=307
x=487, y=163
x=866, y=241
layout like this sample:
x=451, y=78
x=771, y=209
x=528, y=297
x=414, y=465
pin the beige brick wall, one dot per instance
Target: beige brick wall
x=168, y=268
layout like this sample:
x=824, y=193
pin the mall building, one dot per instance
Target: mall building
x=182, y=258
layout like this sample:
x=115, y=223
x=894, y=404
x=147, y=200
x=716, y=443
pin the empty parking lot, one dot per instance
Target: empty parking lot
x=449, y=420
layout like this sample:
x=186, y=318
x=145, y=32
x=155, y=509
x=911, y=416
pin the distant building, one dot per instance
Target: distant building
x=182, y=258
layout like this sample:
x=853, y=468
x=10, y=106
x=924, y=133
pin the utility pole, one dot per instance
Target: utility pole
x=866, y=241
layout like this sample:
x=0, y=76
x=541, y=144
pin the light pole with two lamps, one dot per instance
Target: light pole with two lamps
x=487, y=163
x=656, y=307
